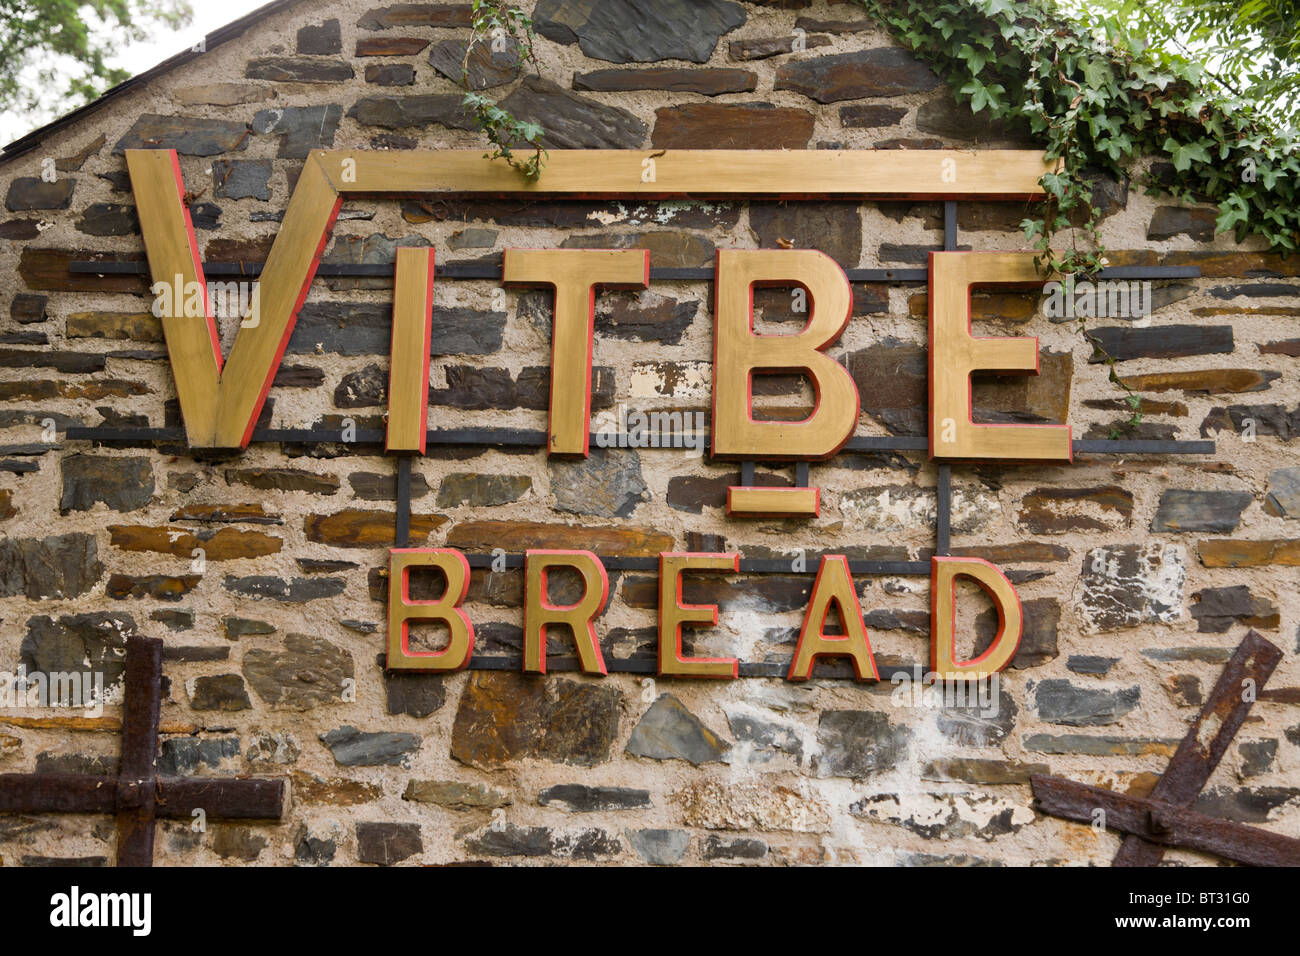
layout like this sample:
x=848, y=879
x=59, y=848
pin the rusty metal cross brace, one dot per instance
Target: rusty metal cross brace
x=138, y=796
x=1151, y=824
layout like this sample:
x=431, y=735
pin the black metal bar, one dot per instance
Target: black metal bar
x=1150, y=272
x=402, y=535
x=490, y=436
x=514, y=562
x=950, y=225
x=943, y=524
x=57, y=793
x=747, y=474
x=451, y=270
x=138, y=768
x=221, y=798
x=568, y=665
x=872, y=443
x=1140, y=447
x=521, y=437
x=491, y=271
x=801, y=474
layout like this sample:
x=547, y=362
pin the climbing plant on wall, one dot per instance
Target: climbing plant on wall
x=1099, y=102
x=500, y=27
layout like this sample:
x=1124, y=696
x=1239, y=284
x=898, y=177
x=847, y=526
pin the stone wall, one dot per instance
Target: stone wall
x=1139, y=576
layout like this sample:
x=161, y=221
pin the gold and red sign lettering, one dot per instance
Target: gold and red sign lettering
x=221, y=398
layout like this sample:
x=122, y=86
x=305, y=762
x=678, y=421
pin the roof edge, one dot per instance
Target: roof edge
x=25, y=144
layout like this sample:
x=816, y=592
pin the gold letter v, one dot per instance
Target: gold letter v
x=220, y=405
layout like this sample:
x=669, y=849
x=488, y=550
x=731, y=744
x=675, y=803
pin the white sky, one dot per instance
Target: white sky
x=139, y=57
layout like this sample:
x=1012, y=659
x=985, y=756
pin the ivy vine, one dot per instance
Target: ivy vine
x=1101, y=103
x=502, y=27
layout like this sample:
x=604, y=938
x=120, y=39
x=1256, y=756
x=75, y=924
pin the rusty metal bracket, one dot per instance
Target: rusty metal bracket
x=1152, y=824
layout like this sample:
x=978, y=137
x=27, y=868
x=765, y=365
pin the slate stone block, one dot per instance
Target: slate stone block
x=388, y=843
x=300, y=128
x=858, y=743
x=285, y=69
x=32, y=192
x=242, y=179
x=668, y=731
x=1216, y=512
x=572, y=121
x=353, y=748
x=883, y=71
x=1123, y=343
x=321, y=39
x=189, y=136
x=659, y=847
x=1061, y=702
x=407, y=112
x=640, y=31
x=578, y=798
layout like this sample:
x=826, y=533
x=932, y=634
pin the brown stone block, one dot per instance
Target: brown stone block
x=356, y=528
x=1289, y=348
x=226, y=544
x=1228, y=553
x=870, y=116
x=504, y=717
x=441, y=15
x=239, y=250
x=1213, y=265
x=283, y=479
x=1022, y=552
x=30, y=192
x=140, y=326
x=44, y=390
x=1044, y=397
x=1122, y=343
x=484, y=536
x=709, y=82
x=1062, y=510
x=893, y=381
x=1148, y=407
x=739, y=126
x=1194, y=222
x=160, y=587
x=760, y=48
x=188, y=135
x=985, y=306
x=390, y=74
x=694, y=493
x=107, y=725
x=1210, y=381
x=834, y=228
x=332, y=791
x=1038, y=643
x=20, y=229
x=50, y=269
x=254, y=513
x=391, y=46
